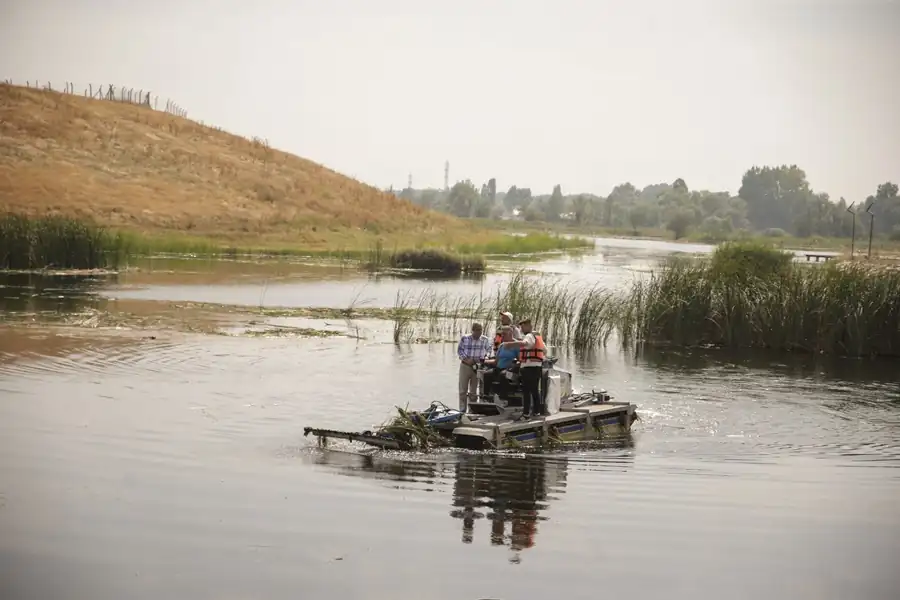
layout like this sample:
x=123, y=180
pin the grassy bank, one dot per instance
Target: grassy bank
x=61, y=242
x=746, y=295
x=880, y=245
x=570, y=228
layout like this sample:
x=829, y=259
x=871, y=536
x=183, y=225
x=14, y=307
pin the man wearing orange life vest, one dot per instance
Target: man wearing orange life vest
x=531, y=359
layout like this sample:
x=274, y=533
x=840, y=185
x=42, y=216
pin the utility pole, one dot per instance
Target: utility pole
x=852, y=231
x=447, y=176
x=409, y=185
x=871, y=225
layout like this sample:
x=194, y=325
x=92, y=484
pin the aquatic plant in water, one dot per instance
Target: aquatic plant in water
x=57, y=242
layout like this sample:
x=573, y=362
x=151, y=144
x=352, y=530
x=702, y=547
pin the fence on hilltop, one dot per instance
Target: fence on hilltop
x=139, y=97
x=112, y=94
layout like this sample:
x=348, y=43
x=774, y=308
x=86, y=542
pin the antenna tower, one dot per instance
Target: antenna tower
x=446, y=175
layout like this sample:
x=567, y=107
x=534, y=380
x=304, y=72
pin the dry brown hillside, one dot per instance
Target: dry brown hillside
x=130, y=166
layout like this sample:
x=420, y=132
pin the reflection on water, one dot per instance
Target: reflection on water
x=36, y=292
x=510, y=494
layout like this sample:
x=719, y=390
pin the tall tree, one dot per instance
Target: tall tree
x=463, y=199
x=556, y=204
x=775, y=196
x=886, y=209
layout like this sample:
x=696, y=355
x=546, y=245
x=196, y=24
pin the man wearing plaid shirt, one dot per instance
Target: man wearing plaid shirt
x=473, y=348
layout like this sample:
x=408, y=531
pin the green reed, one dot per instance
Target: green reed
x=57, y=242
x=743, y=296
x=563, y=314
x=763, y=300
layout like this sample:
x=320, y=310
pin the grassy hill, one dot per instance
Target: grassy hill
x=130, y=167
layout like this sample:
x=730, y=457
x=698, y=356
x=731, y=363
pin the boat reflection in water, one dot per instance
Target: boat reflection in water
x=511, y=492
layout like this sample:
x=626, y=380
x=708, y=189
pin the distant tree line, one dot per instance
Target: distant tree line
x=772, y=200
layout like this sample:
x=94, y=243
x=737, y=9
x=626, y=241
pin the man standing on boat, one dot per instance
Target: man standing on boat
x=472, y=349
x=531, y=361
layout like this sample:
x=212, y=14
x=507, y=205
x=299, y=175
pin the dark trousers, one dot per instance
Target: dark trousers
x=531, y=389
x=495, y=382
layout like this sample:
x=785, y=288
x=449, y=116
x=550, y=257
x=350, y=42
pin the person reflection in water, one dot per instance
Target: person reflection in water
x=510, y=493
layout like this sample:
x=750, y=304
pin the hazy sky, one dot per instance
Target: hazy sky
x=586, y=94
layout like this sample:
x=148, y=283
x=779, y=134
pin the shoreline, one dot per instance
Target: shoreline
x=880, y=246
x=64, y=243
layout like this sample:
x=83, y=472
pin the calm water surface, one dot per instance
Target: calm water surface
x=175, y=467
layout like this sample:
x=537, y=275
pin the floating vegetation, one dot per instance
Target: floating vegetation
x=412, y=431
x=285, y=331
x=432, y=260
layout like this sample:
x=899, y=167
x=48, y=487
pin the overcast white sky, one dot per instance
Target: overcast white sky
x=587, y=94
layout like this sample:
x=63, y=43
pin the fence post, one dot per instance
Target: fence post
x=871, y=225
x=852, y=231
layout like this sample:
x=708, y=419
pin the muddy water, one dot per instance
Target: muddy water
x=173, y=465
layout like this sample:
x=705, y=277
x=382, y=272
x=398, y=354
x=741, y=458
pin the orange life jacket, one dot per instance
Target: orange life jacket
x=533, y=354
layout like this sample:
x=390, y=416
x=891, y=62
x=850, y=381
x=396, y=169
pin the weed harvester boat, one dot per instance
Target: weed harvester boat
x=497, y=421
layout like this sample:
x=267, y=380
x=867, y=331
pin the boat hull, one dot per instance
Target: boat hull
x=574, y=424
x=488, y=426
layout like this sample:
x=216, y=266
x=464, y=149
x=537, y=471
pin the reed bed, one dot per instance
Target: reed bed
x=743, y=296
x=432, y=260
x=563, y=314
x=747, y=296
x=57, y=242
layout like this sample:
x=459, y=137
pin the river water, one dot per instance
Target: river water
x=173, y=465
